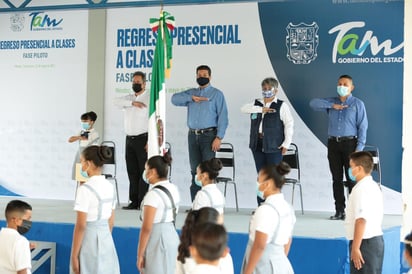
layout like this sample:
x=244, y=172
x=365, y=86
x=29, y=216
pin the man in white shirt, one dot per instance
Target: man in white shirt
x=136, y=115
x=364, y=216
x=15, y=254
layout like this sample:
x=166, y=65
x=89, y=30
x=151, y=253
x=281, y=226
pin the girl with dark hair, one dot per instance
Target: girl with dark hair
x=158, y=238
x=86, y=137
x=93, y=249
x=407, y=253
x=270, y=229
x=185, y=264
x=209, y=195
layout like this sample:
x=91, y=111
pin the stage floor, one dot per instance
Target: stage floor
x=311, y=224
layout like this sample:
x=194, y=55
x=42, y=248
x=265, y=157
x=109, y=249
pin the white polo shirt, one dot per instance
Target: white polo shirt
x=266, y=220
x=153, y=199
x=225, y=265
x=14, y=252
x=209, y=196
x=366, y=202
x=86, y=200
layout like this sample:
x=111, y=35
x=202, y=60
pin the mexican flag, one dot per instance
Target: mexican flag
x=160, y=71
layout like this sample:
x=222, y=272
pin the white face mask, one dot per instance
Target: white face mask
x=342, y=90
x=268, y=93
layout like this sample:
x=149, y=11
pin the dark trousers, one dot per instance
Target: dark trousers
x=200, y=149
x=263, y=159
x=338, y=156
x=136, y=157
x=372, y=252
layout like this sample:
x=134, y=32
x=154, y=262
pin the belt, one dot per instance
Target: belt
x=339, y=139
x=201, y=131
x=137, y=136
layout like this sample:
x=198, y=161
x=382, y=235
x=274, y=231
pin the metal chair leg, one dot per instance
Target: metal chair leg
x=237, y=206
x=117, y=191
x=301, y=198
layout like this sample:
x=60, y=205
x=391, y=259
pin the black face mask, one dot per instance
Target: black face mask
x=202, y=81
x=137, y=87
x=24, y=227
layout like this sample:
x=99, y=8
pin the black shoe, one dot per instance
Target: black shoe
x=338, y=216
x=131, y=206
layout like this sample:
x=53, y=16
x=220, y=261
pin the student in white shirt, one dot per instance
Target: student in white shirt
x=158, y=239
x=209, y=195
x=209, y=245
x=93, y=249
x=271, y=226
x=86, y=137
x=407, y=252
x=15, y=254
x=364, y=214
x=185, y=263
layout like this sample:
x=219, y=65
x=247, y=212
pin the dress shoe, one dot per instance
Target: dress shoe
x=338, y=216
x=131, y=206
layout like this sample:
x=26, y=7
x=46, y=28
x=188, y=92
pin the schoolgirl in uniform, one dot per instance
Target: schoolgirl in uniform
x=93, y=249
x=271, y=226
x=158, y=240
x=86, y=137
x=185, y=263
x=209, y=195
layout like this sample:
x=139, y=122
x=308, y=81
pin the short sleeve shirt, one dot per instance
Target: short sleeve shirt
x=87, y=202
x=365, y=202
x=266, y=220
x=14, y=252
x=154, y=199
x=215, y=198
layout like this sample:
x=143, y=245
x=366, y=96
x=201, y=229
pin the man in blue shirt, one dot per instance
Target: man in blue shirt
x=207, y=120
x=347, y=128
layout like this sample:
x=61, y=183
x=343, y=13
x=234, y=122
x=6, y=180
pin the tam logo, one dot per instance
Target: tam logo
x=350, y=43
x=42, y=20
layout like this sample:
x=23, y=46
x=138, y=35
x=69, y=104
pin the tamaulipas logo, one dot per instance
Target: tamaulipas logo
x=302, y=42
x=349, y=47
x=42, y=21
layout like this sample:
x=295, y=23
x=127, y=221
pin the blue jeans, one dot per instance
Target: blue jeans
x=263, y=159
x=200, y=149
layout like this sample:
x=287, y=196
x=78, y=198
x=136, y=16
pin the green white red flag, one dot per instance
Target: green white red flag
x=160, y=70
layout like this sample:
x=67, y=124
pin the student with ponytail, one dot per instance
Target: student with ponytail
x=158, y=238
x=270, y=229
x=93, y=249
x=185, y=263
x=209, y=195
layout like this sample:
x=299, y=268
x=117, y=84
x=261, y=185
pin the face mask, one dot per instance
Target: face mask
x=144, y=177
x=342, y=90
x=84, y=173
x=258, y=192
x=351, y=176
x=268, y=93
x=24, y=227
x=137, y=87
x=85, y=125
x=202, y=81
x=198, y=182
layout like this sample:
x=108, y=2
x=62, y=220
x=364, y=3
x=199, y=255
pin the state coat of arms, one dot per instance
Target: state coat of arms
x=302, y=42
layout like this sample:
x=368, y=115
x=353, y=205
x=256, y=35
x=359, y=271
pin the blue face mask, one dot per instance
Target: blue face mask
x=342, y=90
x=85, y=125
x=353, y=178
x=198, y=182
x=268, y=93
x=258, y=192
x=84, y=173
x=144, y=177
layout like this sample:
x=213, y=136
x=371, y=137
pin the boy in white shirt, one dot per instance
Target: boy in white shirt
x=15, y=254
x=209, y=244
